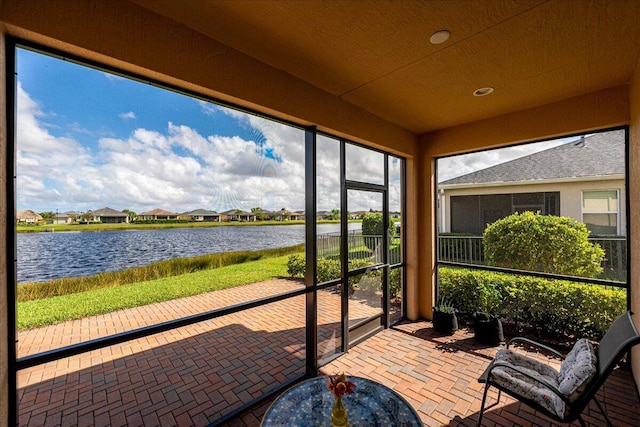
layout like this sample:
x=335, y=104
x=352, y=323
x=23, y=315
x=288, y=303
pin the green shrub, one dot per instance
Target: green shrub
x=553, y=306
x=372, y=225
x=547, y=243
x=395, y=282
x=296, y=266
x=329, y=269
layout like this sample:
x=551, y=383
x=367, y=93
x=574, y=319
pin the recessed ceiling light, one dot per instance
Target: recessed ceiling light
x=440, y=37
x=483, y=91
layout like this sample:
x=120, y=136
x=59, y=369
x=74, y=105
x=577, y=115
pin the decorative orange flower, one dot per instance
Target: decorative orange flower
x=339, y=385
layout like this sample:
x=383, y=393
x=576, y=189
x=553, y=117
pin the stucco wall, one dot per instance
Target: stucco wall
x=634, y=205
x=4, y=356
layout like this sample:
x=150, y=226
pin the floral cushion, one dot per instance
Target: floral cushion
x=577, y=369
x=525, y=386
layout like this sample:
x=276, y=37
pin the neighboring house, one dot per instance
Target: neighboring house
x=357, y=214
x=323, y=214
x=582, y=179
x=285, y=215
x=108, y=216
x=239, y=215
x=67, y=217
x=157, y=214
x=202, y=215
x=28, y=217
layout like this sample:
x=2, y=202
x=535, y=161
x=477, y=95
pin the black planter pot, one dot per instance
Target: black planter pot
x=487, y=329
x=445, y=323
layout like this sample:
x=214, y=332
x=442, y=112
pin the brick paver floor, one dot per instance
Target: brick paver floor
x=438, y=375
x=186, y=376
x=192, y=376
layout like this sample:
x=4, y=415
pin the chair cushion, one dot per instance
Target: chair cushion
x=525, y=386
x=577, y=369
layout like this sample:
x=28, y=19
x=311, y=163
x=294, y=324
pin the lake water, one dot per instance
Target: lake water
x=46, y=256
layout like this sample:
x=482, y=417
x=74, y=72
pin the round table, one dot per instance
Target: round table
x=309, y=403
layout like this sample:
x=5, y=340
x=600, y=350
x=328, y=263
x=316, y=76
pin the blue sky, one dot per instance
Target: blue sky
x=87, y=139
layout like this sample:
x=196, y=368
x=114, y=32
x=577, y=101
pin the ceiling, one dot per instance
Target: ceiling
x=377, y=54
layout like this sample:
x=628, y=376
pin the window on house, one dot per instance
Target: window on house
x=600, y=211
x=471, y=214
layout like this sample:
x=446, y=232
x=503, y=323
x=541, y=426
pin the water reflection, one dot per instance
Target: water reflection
x=46, y=256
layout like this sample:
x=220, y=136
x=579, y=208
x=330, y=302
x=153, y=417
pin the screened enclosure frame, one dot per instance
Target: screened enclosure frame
x=605, y=282
x=309, y=291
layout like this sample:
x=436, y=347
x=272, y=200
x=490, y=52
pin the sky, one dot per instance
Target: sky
x=87, y=139
x=454, y=166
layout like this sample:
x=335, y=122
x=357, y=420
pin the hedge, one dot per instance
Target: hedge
x=329, y=269
x=557, y=307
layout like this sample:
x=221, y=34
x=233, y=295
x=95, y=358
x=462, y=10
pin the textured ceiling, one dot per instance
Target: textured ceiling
x=377, y=55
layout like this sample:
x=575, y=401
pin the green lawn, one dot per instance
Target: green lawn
x=48, y=311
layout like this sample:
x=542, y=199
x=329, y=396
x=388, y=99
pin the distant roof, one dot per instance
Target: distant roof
x=108, y=212
x=28, y=214
x=236, y=212
x=201, y=212
x=158, y=211
x=597, y=155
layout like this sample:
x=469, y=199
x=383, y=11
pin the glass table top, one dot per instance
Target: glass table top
x=310, y=402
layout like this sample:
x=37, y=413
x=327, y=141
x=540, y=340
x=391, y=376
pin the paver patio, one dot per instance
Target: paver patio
x=438, y=377
x=194, y=375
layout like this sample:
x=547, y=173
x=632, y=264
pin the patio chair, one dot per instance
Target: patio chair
x=561, y=395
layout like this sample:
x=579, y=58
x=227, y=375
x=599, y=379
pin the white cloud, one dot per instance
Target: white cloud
x=128, y=115
x=114, y=77
x=454, y=166
x=177, y=169
x=42, y=158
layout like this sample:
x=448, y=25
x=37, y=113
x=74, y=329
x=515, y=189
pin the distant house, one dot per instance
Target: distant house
x=68, y=217
x=583, y=179
x=285, y=215
x=108, y=216
x=202, y=215
x=28, y=217
x=322, y=214
x=357, y=214
x=157, y=214
x=239, y=215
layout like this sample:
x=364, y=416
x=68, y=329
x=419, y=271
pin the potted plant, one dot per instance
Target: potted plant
x=445, y=320
x=487, y=325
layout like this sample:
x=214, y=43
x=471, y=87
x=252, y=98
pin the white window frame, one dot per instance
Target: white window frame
x=594, y=212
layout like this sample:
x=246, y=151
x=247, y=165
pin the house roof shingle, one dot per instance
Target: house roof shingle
x=158, y=212
x=597, y=155
x=201, y=212
x=28, y=214
x=108, y=212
